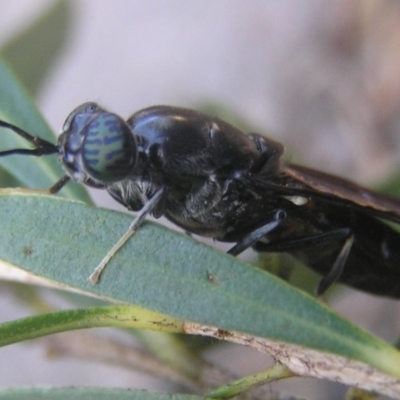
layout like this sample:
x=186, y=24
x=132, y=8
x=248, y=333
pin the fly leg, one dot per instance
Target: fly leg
x=253, y=237
x=59, y=184
x=336, y=270
x=135, y=225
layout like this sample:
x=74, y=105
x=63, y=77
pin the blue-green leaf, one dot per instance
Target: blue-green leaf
x=168, y=272
x=84, y=393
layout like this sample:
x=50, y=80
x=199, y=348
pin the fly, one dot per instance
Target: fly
x=211, y=179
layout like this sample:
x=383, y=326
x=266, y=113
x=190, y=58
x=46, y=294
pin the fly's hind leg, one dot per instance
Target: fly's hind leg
x=337, y=268
x=335, y=271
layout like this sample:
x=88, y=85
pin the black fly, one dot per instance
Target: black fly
x=211, y=179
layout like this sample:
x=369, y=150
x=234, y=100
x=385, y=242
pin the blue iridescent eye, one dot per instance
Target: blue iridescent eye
x=109, y=150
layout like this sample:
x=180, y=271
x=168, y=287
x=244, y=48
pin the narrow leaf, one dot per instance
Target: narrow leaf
x=168, y=272
x=88, y=394
x=17, y=107
x=61, y=321
x=34, y=50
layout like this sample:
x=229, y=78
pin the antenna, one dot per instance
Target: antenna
x=42, y=147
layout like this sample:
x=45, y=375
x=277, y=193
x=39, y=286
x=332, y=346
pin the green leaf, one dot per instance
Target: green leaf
x=88, y=394
x=277, y=371
x=33, y=51
x=168, y=272
x=61, y=321
x=391, y=186
x=17, y=107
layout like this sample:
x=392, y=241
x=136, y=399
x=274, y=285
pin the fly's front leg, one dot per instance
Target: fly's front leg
x=59, y=184
x=335, y=272
x=135, y=225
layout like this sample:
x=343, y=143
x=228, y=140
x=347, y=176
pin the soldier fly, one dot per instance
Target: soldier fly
x=211, y=179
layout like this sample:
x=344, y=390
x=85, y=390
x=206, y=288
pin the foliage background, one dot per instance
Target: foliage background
x=320, y=76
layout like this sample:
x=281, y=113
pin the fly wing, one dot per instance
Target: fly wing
x=330, y=188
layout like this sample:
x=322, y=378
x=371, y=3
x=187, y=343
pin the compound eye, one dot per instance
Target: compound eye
x=109, y=150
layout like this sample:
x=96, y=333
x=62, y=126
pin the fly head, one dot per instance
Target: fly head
x=97, y=147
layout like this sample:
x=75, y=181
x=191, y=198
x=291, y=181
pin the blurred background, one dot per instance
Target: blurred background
x=320, y=76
